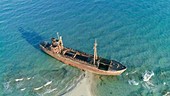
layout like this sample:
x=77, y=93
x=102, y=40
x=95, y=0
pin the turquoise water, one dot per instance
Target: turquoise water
x=136, y=33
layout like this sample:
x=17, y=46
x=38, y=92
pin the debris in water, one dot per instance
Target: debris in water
x=147, y=76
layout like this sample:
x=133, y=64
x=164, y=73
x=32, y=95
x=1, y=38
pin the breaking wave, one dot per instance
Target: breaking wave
x=21, y=79
x=38, y=88
x=22, y=89
x=48, y=83
x=49, y=91
x=167, y=94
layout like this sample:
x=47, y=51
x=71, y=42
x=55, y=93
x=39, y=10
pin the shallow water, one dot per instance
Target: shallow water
x=136, y=33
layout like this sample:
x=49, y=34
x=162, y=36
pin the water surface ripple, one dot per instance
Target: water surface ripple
x=136, y=33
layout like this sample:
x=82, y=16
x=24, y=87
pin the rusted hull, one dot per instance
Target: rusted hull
x=79, y=64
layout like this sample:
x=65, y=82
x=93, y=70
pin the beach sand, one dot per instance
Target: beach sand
x=83, y=88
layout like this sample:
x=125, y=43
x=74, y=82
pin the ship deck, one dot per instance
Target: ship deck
x=104, y=64
x=100, y=63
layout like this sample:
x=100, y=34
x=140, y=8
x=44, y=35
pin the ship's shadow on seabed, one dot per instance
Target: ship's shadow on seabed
x=31, y=37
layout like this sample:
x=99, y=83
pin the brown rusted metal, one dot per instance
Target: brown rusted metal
x=81, y=60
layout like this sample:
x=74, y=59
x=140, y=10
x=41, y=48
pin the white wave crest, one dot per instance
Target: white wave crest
x=147, y=76
x=17, y=80
x=133, y=82
x=49, y=91
x=164, y=83
x=23, y=89
x=48, y=83
x=28, y=78
x=38, y=88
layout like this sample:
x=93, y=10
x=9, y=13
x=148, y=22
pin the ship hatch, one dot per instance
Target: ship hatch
x=103, y=67
x=82, y=58
x=104, y=64
x=70, y=54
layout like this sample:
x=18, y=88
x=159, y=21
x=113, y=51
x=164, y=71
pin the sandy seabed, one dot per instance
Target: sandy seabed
x=83, y=88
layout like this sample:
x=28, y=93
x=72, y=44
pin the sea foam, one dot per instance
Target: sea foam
x=7, y=85
x=133, y=82
x=17, y=80
x=49, y=91
x=23, y=89
x=38, y=88
x=167, y=94
x=28, y=78
x=48, y=83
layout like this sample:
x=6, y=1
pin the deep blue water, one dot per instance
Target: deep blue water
x=136, y=33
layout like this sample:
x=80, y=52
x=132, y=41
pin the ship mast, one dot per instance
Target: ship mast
x=95, y=52
x=60, y=42
x=58, y=36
